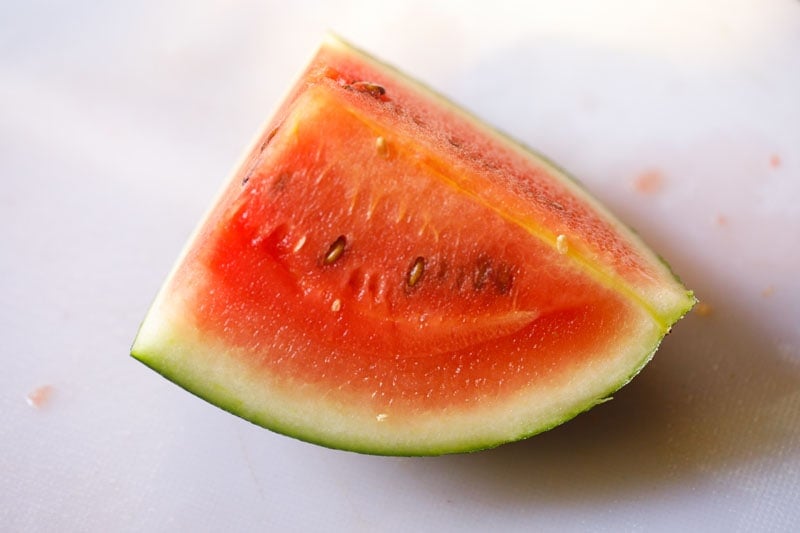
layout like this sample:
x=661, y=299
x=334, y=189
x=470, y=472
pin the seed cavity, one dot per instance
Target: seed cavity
x=335, y=251
x=373, y=89
x=482, y=274
x=503, y=279
x=460, y=279
x=381, y=147
x=562, y=245
x=280, y=181
x=416, y=271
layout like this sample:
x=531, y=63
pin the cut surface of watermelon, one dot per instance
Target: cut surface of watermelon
x=385, y=274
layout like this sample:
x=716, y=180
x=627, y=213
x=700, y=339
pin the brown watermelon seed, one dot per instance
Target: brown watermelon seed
x=373, y=89
x=335, y=251
x=416, y=271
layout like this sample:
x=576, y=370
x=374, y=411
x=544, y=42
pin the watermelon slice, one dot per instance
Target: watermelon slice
x=385, y=274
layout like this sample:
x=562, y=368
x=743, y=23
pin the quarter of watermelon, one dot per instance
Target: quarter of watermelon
x=383, y=273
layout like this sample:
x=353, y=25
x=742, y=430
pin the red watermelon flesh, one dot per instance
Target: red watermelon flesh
x=385, y=274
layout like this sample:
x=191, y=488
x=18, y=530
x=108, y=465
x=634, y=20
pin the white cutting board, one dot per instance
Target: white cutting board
x=119, y=122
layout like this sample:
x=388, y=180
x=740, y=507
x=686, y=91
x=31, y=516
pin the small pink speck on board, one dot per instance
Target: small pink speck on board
x=39, y=397
x=721, y=220
x=648, y=182
x=769, y=291
x=775, y=161
x=703, y=309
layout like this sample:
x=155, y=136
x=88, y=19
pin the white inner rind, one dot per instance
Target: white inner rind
x=217, y=373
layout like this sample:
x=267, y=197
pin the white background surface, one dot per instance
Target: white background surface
x=119, y=122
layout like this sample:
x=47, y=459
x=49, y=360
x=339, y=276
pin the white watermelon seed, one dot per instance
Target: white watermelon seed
x=561, y=244
x=300, y=243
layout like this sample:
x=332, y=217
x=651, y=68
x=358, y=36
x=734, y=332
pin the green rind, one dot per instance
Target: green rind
x=234, y=406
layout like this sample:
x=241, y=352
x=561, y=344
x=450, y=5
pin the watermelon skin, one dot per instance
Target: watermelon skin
x=349, y=353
